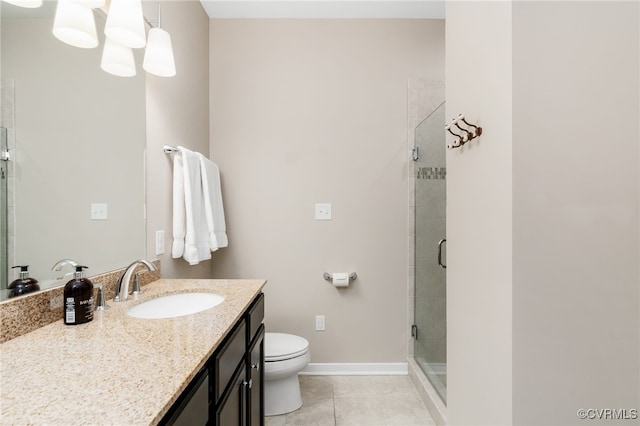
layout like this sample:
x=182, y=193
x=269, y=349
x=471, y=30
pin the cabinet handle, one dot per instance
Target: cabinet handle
x=442, y=265
x=255, y=366
x=243, y=398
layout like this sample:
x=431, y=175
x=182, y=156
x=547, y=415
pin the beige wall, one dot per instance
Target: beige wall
x=544, y=322
x=479, y=215
x=575, y=229
x=177, y=114
x=309, y=111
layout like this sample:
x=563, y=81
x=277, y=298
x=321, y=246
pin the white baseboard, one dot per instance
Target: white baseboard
x=356, y=369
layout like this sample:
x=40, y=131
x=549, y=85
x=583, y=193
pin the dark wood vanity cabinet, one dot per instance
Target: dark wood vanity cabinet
x=232, y=379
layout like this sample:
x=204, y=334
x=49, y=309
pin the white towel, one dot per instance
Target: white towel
x=214, y=210
x=196, y=238
x=179, y=220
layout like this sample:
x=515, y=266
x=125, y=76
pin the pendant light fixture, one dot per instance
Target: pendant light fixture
x=125, y=23
x=75, y=25
x=158, y=56
x=117, y=59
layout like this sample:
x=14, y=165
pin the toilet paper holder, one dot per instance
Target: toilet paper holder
x=329, y=277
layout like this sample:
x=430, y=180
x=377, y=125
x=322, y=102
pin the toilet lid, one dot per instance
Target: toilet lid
x=281, y=346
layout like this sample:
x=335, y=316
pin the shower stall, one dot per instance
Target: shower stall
x=426, y=274
x=429, y=329
x=7, y=174
x=4, y=202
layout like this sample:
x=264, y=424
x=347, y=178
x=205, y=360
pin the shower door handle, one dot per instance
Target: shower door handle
x=442, y=241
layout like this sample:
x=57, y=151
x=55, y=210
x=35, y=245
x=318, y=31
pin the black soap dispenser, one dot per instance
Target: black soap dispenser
x=24, y=284
x=78, y=299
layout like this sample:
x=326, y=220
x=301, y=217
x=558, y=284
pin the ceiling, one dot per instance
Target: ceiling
x=399, y=9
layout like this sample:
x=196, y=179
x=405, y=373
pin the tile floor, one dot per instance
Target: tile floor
x=357, y=400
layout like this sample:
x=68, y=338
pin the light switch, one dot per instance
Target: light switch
x=98, y=211
x=320, y=323
x=159, y=242
x=323, y=211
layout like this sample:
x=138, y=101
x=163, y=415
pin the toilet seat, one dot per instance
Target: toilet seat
x=282, y=346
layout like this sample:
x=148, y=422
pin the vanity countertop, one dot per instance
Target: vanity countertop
x=116, y=369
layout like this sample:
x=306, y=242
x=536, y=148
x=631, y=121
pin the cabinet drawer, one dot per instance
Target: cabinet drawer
x=255, y=315
x=228, y=357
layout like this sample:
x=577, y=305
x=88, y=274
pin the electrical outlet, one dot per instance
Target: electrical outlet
x=55, y=302
x=319, y=322
x=159, y=242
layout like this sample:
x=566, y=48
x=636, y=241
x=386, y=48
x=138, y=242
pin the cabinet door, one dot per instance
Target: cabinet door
x=192, y=408
x=227, y=359
x=232, y=410
x=256, y=379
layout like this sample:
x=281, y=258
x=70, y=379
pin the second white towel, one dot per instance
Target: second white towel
x=214, y=209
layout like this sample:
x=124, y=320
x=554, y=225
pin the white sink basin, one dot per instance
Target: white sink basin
x=175, y=305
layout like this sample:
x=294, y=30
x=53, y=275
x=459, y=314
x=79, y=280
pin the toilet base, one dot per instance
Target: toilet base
x=282, y=395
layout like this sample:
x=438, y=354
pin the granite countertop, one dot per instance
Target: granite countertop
x=116, y=369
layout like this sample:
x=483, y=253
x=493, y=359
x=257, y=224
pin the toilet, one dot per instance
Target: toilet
x=285, y=356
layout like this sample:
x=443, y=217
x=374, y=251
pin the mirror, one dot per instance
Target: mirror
x=76, y=137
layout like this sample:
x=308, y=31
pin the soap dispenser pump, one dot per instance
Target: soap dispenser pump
x=24, y=284
x=78, y=298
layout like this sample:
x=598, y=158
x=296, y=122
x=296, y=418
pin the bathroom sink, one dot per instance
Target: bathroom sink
x=175, y=305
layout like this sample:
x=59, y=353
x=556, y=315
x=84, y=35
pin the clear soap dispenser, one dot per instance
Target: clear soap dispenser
x=78, y=298
x=24, y=284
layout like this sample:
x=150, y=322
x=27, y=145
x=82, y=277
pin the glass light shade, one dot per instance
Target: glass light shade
x=75, y=25
x=158, y=56
x=117, y=59
x=29, y=4
x=125, y=23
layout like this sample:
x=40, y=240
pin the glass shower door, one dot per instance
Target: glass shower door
x=430, y=346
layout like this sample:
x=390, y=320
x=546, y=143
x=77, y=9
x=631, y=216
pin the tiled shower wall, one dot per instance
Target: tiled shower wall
x=430, y=227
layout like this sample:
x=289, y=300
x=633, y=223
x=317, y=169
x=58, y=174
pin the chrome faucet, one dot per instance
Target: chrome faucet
x=61, y=263
x=122, y=289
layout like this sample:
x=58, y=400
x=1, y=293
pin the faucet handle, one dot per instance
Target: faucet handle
x=136, y=284
x=102, y=304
